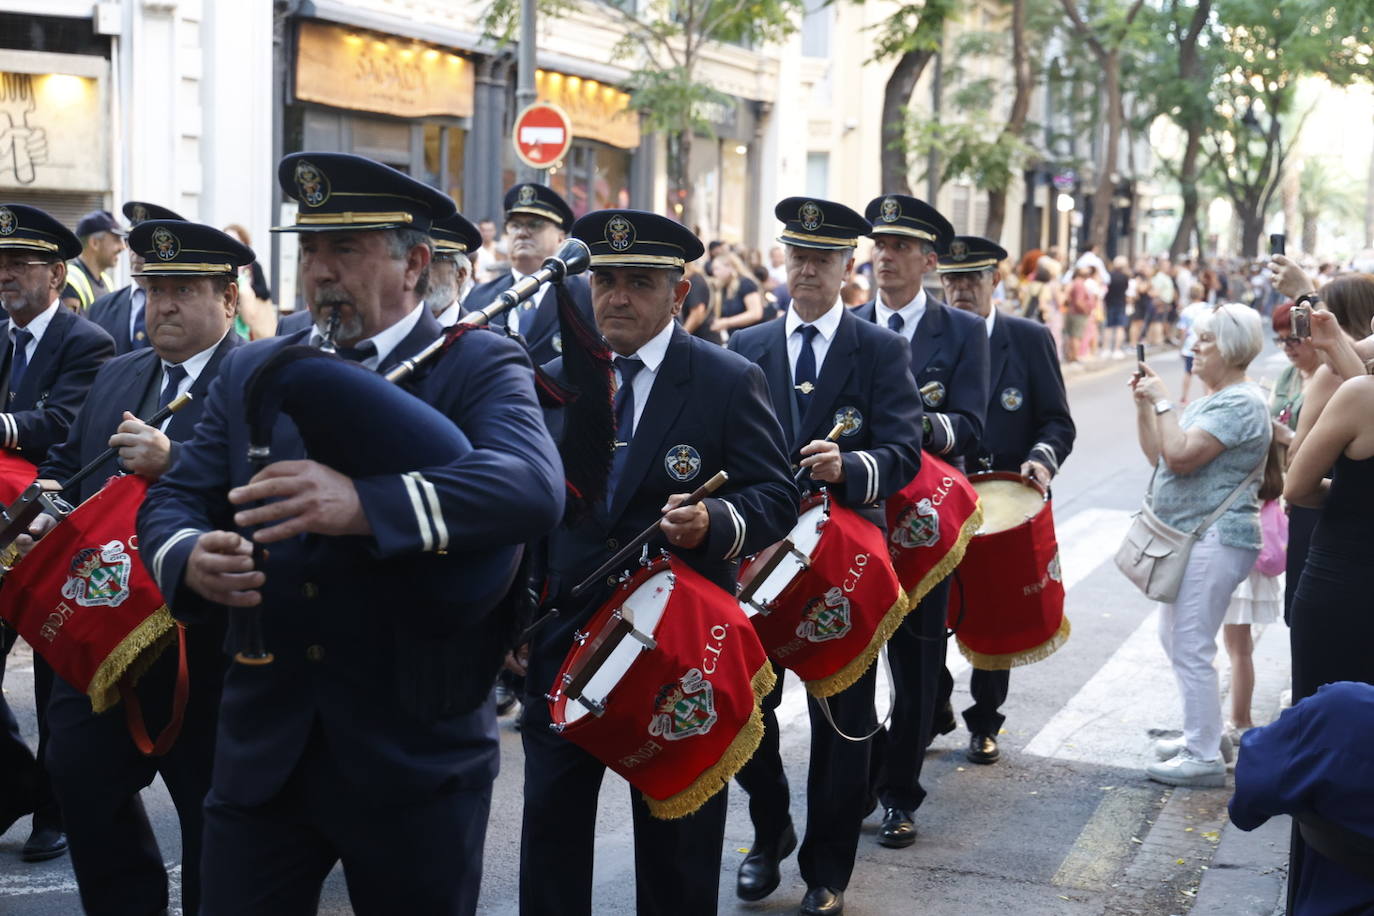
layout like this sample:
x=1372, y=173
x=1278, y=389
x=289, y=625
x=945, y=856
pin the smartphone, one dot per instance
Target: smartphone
x=1301, y=316
x=1139, y=360
x=1277, y=243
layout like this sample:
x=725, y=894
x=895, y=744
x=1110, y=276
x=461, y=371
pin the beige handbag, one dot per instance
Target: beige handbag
x=1154, y=555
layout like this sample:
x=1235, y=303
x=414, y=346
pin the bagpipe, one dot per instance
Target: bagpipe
x=81, y=597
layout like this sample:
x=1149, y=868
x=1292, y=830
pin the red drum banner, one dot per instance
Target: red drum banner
x=929, y=524
x=15, y=475
x=84, y=602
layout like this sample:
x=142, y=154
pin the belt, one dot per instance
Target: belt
x=1351, y=850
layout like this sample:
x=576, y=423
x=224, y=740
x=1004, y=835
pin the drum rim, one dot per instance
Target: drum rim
x=1012, y=475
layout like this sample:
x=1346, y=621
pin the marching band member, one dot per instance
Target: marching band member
x=50, y=357
x=949, y=358
x=122, y=313
x=824, y=365
x=366, y=740
x=188, y=271
x=450, y=273
x=684, y=409
x=1029, y=429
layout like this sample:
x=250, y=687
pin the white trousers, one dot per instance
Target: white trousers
x=1188, y=630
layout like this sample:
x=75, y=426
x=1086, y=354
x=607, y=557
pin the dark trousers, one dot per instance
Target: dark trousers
x=20, y=770
x=97, y=773
x=916, y=655
x=272, y=859
x=677, y=862
x=989, y=689
x=837, y=797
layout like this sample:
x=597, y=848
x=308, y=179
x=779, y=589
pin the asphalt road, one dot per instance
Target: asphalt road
x=1066, y=823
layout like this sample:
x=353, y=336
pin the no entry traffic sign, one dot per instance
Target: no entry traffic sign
x=542, y=136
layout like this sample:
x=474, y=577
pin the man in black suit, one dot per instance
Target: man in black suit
x=537, y=221
x=823, y=364
x=51, y=357
x=121, y=313
x=370, y=738
x=949, y=358
x=97, y=771
x=1029, y=429
x=685, y=409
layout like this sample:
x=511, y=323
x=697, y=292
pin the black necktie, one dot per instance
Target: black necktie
x=896, y=322
x=20, y=360
x=624, y=419
x=358, y=354
x=805, y=380
x=172, y=376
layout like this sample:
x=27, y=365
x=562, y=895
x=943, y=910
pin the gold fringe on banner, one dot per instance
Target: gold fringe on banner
x=719, y=774
x=829, y=686
x=1016, y=659
x=940, y=571
x=133, y=656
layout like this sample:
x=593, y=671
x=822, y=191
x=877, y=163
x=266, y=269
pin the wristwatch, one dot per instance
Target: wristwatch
x=1162, y=407
x=1308, y=299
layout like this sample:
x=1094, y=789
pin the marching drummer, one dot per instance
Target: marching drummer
x=949, y=358
x=826, y=367
x=684, y=409
x=1029, y=429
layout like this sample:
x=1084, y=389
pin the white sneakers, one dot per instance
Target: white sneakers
x=1168, y=748
x=1183, y=769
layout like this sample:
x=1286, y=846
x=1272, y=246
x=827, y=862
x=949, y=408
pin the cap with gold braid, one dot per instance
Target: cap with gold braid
x=809, y=222
x=636, y=238
x=140, y=211
x=22, y=226
x=455, y=234
x=539, y=200
x=901, y=214
x=341, y=192
x=176, y=248
x=970, y=252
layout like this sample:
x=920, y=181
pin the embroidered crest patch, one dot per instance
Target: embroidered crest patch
x=890, y=210
x=1012, y=399
x=850, y=419
x=165, y=245
x=826, y=618
x=8, y=223
x=99, y=576
x=934, y=395
x=525, y=196
x=684, y=708
x=810, y=216
x=958, y=250
x=683, y=462
x=620, y=233
x=919, y=526
x=311, y=183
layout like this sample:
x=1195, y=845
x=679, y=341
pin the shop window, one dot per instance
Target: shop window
x=444, y=146
x=384, y=141
x=816, y=28
x=818, y=174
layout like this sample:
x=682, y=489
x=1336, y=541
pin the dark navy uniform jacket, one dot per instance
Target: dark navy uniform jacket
x=332, y=608
x=1315, y=758
x=708, y=411
x=864, y=378
x=54, y=386
x=950, y=348
x=1028, y=410
x=111, y=312
x=543, y=342
x=293, y=322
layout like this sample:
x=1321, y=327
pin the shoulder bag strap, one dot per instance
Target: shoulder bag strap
x=1226, y=503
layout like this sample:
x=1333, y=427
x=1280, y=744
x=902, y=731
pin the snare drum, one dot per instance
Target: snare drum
x=826, y=599
x=664, y=687
x=1012, y=603
x=929, y=524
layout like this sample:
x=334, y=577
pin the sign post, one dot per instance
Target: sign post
x=542, y=135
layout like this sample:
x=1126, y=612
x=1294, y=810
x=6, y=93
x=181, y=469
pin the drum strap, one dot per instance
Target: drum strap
x=133, y=710
x=824, y=704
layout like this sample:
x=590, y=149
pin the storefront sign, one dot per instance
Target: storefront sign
x=52, y=132
x=542, y=135
x=368, y=72
x=597, y=111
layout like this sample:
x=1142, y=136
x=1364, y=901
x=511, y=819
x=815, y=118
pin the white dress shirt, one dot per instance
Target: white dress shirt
x=449, y=316
x=827, y=325
x=36, y=327
x=651, y=355
x=194, y=366
x=533, y=302
x=138, y=301
x=990, y=320
x=911, y=313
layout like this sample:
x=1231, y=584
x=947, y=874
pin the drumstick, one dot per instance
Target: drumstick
x=617, y=562
x=835, y=432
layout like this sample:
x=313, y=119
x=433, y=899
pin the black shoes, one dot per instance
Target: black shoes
x=983, y=749
x=944, y=722
x=898, y=830
x=758, y=873
x=44, y=843
x=822, y=901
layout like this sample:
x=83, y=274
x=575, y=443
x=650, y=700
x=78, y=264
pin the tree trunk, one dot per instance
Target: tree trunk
x=1106, y=167
x=1251, y=228
x=1187, y=180
x=1016, y=121
x=680, y=179
x=896, y=97
x=1309, y=231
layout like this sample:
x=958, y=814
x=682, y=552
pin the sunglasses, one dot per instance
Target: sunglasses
x=1288, y=341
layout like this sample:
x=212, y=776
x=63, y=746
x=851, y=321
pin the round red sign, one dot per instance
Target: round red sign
x=542, y=135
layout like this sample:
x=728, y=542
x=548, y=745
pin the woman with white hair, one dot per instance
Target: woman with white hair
x=1217, y=446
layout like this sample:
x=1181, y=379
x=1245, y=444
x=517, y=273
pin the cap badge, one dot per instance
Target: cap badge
x=620, y=233
x=165, y=245
x=313, y=186
x=140, y=213
x=7, y=221
x=811, y=216
x=958, y=250
x=890, y=211
x=525, y=195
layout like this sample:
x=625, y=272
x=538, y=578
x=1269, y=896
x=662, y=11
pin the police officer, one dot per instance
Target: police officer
x=450, y=273
x=824, y=365
x=366, y=740
x=949, y=358
x=97, y=770
x=537, y=221
x=120, y=313
x=51, y=357
x=1029, y=429
x=673, y=434
x=88, y=274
